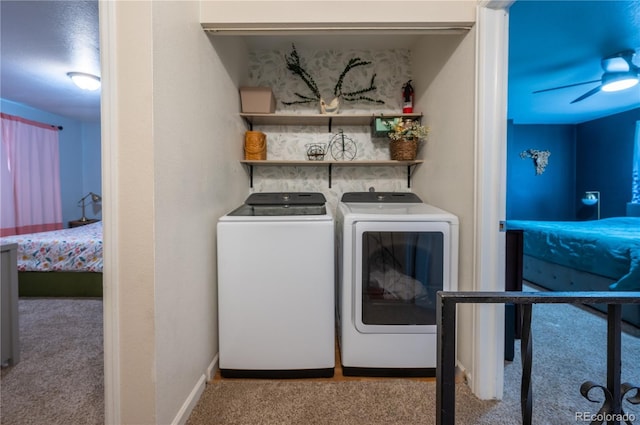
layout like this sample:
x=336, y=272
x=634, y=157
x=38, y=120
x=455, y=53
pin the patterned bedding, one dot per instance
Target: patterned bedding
x=609, y=247
x=78, y=249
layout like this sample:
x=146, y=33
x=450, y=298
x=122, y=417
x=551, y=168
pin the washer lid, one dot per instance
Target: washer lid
x=274, y=204
x=278, y=210
x=286, y=198
x=382, y=197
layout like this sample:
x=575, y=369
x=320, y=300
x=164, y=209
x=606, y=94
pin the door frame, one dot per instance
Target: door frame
x=492, y=53
x=490, y=195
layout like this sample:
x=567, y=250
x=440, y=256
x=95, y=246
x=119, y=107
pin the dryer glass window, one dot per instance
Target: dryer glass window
x=401, y=273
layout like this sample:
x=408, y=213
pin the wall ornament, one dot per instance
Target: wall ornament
x=540, y=159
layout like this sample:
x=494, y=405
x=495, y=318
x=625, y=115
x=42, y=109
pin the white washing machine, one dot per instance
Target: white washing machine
x=394, y=253
x=276, y=287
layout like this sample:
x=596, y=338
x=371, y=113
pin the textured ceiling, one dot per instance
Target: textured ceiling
x=40, y=42
x=552, y=43
x=557, y=43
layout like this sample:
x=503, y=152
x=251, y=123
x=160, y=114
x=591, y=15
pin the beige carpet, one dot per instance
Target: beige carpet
x=59, y=379
x=569, y=348
x=374, y=402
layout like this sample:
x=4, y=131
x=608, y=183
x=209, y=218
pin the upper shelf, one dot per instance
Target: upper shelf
x=319, y=119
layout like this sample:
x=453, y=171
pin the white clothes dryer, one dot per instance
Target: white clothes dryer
x=394, y=253
x=276, y=287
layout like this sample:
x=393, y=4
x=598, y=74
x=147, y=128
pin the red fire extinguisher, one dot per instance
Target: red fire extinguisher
x=407, y=98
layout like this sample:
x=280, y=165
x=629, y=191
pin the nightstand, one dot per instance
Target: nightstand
x=10, y=341
x=78, y=223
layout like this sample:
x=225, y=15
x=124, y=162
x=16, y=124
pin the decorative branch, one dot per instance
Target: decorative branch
x=359, y=93
x=293, y=65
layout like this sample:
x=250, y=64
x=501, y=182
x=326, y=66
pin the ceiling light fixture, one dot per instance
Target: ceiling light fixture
x=85, y=81
x=616, y=81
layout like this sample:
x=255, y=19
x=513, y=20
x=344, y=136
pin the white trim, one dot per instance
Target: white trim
x=107, y=24
x=187, y=407
x=213, y=367
x=490, y=200
x=185, y=410
x=335, y=28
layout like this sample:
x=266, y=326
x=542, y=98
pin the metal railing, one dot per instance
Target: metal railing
x=614, y=390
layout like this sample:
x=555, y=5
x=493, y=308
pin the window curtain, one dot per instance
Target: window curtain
x=635, y=177
x=29, y=177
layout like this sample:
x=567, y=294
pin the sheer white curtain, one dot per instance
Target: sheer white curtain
x=29, y=177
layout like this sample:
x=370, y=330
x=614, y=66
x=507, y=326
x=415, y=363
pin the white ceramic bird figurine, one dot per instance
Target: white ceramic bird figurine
x=331, y=107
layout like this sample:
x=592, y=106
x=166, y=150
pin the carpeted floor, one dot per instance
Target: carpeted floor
x=373, y=402
x=569, y=348
x=59, y=379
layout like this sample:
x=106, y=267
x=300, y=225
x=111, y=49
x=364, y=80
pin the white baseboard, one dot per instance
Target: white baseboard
x=463, y=370
x=213, y=367
x=185, y=411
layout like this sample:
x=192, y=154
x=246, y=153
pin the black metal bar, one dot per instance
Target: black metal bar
x=409, y=176
x=577, y=297
x=446, y=362
x=614, y=360
x=251, y=175
x=526, y=354
x=446, y=306
x=330, y=168
x=514, y=240
x=330, y=123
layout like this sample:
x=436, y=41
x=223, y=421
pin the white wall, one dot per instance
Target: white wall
x=197, y=179
x=444, y=66
x=170, y=117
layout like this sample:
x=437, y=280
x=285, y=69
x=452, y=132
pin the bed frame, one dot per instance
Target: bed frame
x=60, y=284
x=560, y=278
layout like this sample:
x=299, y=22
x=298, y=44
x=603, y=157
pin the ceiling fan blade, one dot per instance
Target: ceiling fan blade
x=568, y=85
x=587, y=94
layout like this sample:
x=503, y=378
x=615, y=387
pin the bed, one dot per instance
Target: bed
x=60, y=263
x=599, y=255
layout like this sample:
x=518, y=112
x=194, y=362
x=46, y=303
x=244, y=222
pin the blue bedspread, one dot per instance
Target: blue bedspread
x=609, y=247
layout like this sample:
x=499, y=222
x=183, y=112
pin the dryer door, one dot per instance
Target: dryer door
x=398, y=268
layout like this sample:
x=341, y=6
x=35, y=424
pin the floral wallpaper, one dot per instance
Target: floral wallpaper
x=268, y=69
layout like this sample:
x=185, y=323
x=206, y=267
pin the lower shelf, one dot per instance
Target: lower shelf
x=330, y=164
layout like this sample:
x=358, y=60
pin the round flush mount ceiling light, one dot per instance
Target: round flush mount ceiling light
x=85, y=81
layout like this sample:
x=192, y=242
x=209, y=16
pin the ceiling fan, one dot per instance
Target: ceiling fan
x=620, y=73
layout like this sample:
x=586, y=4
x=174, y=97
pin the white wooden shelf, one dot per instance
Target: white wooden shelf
x=354, y=163
x=328, y=120
x=329, y=164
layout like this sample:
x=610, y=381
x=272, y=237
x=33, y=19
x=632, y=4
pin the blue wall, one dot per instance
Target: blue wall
x=550, y=195
x=596, y=155
x=80, y=168
x=605, y=154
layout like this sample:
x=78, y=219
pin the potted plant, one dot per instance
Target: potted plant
x=405, y=137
